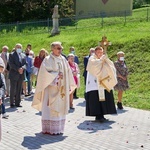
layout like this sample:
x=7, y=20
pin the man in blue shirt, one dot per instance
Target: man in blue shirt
x=29, y=67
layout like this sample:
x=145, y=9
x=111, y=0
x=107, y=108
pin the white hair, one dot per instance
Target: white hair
x=120, y=52
x=5, y=47
x=55, y=43
x=72, y=47
x=71, y=55
x=92, y=49
x=18, y=44
x=31, y=52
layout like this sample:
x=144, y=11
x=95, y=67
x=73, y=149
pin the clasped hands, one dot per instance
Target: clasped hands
x=20, y=70
x=0, y=101
x=124, y=78
x=60, y=75
x=75, y=73
x=103, y=58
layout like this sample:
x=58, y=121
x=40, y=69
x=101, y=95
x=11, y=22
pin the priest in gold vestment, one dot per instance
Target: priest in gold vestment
x=54, y=84
x=101, y=78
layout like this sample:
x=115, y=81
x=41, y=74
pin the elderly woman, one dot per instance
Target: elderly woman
x=101, y=79
x=76, y=73
x=122, y=73
x=38, y=60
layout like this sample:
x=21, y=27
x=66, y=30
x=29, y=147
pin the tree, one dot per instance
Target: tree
x=23, y=10
x=147, y=1
x=137, y=3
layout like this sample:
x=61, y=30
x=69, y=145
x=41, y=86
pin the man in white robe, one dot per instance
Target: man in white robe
x=55, y=82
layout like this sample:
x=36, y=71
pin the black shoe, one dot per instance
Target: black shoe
x=7, y=95
x=105, y=119
x=29, y=94
x=72, y=108
x=12, y=105
x=75, y=97
x=18, y=106
x=119, y=104
x=100, y=117
x=102, y=120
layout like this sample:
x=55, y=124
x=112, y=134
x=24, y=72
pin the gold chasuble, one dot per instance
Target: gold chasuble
x=103, y=69
x=58, y=89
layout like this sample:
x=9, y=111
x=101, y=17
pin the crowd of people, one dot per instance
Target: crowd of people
x=20, y=71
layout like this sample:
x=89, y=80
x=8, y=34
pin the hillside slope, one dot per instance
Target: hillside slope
x=132, y=38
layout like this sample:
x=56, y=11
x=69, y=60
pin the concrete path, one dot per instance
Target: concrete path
x=129, y=130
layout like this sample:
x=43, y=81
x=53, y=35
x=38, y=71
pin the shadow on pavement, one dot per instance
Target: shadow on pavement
x=7, y=103
x=120, y=111
x=7, y=106
x=36, y=142
x=29, y=98
x=71, y=111
x=82, y=104
x=9, y=109
x=94, y=126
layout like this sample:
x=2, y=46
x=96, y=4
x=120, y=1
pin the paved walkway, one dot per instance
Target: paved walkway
x=129, y=130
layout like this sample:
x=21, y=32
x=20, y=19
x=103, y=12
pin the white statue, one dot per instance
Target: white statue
x=55, y=17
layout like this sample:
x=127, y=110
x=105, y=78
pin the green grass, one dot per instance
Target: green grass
x=132, y=38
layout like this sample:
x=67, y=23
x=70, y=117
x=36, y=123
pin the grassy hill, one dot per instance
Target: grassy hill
x=132, y=38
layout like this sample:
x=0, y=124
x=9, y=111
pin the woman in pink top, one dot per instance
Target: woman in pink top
x=76, y=74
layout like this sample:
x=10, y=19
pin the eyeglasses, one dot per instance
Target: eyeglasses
x=58, y=48
x=98, y=49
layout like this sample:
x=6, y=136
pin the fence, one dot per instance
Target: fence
x=45, y=26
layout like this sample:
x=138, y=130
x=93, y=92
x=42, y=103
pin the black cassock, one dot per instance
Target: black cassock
x=95, y=107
